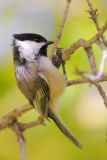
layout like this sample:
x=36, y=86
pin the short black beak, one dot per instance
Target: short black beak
x=16, y=36
x=49, y=42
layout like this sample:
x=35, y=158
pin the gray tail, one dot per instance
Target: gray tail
x=58, y=121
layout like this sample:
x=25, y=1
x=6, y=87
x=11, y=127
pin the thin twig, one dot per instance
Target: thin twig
x=92, y=62
x=83, y=81
x=102, y=92
x=94, y=17
x=67, y=52
x=101, y=69
x=102, y=44
x=91, y=59
x=58, y=36
x=8, y=119
x=20, y=138
x=25, y=126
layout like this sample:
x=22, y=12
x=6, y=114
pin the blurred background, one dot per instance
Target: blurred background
x=81, y=106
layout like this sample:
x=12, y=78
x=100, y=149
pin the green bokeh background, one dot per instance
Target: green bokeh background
x=81, y=106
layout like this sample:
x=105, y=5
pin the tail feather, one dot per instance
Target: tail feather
x=58, y=121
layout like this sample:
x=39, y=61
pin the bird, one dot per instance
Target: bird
x=38, y=79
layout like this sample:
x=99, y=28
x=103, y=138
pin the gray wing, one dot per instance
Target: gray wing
x=41, y=96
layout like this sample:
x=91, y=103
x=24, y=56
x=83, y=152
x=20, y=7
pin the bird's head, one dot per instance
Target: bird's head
x=28, y=46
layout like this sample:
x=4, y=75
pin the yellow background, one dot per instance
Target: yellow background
x=81, y=106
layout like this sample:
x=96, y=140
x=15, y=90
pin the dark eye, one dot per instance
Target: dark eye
x=36, y=40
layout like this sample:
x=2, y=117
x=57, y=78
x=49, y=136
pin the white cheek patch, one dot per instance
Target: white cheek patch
x=28, y=49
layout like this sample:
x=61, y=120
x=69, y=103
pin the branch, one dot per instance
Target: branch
x=91, y=59
x=8, y=119
x=58, y=36
x=94, y=17
x=25, y=126
x=92, y=62
x=67, y=52
x=97, y=76
x=85, y=80
x=102, y=44
x=20, y=138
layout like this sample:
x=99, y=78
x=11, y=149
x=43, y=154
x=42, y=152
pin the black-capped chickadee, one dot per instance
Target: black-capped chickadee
x=38, y=79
